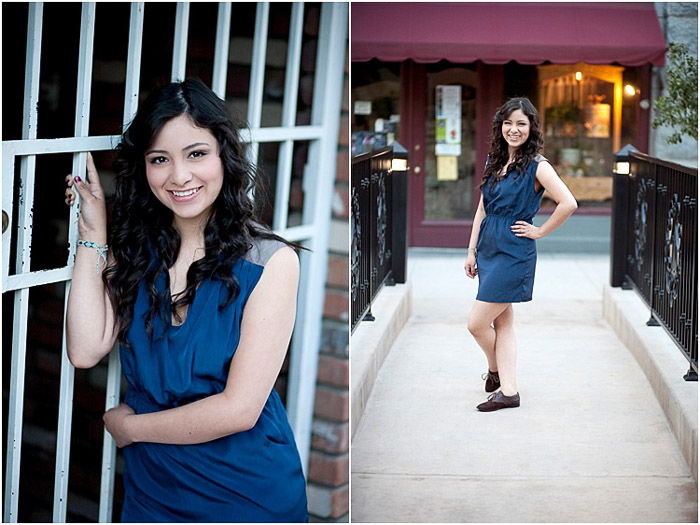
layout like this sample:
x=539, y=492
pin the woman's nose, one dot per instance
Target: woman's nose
x=180, y=175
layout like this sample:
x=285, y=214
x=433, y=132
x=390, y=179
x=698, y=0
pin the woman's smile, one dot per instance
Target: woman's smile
x=185, y=195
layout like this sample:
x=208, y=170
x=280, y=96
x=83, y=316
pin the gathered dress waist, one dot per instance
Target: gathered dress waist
x=509, y=217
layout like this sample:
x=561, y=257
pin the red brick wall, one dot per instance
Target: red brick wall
x=329, y=461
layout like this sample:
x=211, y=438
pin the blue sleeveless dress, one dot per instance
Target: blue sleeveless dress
x=506, y=263
x=251, y=476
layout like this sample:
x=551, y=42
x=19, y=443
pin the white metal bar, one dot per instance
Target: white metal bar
x=133, y=63
x=182, y=20
x=82, y=126
x=65, y=413
x=37, y=278
x=62, y=145
x=23, y=259
x=223, y=32
x=279, y=134
x=289, y=107
x=32, y=71
x=109, y=142
x=16, y=404
x=109, y=447
x=257, y=75
x=317, y=210
x=297, y=233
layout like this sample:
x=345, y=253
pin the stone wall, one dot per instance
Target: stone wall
x=679, y=22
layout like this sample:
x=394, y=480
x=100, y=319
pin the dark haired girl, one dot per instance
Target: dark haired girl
x=502, y=243
x=202, y=299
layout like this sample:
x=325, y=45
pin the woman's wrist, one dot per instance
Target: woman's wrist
x=96, y=236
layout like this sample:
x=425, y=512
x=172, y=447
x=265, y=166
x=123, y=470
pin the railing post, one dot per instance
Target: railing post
x=653, y=229
x=619, y=223
x=399, y=168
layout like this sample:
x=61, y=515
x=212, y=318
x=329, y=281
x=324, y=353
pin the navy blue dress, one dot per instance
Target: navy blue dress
x=506, y=263
x=251, y=476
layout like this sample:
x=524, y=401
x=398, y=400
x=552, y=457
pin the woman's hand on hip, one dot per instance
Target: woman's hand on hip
x=93, y=212
x=525, y=229
x=470, y=265
x=115, y=421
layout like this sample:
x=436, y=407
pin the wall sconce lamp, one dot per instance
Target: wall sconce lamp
x=630, y=90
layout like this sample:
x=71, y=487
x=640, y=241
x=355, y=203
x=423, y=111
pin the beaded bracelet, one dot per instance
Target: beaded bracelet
x=101, y=250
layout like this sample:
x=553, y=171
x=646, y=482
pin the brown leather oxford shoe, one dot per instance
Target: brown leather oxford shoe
x=498, y=401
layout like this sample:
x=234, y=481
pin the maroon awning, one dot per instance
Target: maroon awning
x=529, y=33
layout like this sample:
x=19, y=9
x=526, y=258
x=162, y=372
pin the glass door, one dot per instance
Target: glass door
x=440, y=103
x=449, y=143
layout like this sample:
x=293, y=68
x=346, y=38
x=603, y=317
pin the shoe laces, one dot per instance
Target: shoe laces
x=487, y=374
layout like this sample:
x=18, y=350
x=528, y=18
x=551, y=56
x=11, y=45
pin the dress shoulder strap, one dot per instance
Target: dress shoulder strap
x=539, y=158
x=262, y=249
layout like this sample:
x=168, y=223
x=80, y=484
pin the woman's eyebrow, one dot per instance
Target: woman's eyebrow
x=183, y=149
x=194, y=145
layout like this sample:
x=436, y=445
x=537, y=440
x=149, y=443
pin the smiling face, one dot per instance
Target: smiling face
x=516, y=130
x=184, y=170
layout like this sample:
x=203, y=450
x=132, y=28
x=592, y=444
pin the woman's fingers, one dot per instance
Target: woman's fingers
x=81, y=187
x=519, y=228
x=69, y=195
x=93, y=176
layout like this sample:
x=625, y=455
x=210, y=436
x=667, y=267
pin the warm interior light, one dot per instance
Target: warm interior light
x=630, y=90
x=399, y=164
x=579, y=76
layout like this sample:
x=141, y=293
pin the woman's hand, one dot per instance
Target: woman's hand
x=93, y=213
x=525, y=229
x=470, y=265
x=115, y=421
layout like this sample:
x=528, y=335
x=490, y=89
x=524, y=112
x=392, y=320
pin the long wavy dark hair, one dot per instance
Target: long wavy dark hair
x=498, y=154
x=142, y=238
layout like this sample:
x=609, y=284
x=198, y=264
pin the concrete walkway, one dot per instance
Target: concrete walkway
x=589, y=443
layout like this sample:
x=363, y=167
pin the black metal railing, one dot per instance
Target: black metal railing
x=654, y=245
x=378, y=228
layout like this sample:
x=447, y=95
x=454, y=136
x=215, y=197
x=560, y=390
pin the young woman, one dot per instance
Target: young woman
x=202, y=299
x=502, y=243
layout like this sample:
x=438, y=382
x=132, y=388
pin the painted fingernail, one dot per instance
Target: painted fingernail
x=77, y=179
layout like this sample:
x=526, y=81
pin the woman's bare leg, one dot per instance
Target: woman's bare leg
x=480, y=325
x=506, y=351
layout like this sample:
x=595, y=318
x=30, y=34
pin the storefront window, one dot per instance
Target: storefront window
x=581, y=108
x=374, y=105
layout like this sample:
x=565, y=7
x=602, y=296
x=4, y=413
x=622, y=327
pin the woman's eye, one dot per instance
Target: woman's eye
x=157, y=160
x=197, y=154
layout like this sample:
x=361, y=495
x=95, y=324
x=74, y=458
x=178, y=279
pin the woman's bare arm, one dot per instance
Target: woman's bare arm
x=566, y=204
x=90, y=327
x=470, y=261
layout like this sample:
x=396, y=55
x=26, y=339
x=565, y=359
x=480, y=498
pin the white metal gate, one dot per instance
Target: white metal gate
x=313, y=232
